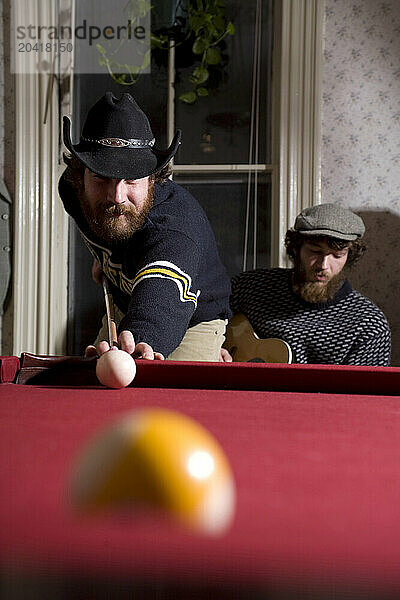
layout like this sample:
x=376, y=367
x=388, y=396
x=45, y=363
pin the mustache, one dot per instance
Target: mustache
x=116, y=210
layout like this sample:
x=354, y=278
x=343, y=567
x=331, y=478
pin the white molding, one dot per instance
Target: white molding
x=40, y=223
x=299, y=61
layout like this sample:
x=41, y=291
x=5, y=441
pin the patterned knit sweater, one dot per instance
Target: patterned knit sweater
x=348, y=330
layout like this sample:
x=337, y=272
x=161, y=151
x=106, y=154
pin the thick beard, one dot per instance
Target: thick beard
x=312, y=291
x=104, y=222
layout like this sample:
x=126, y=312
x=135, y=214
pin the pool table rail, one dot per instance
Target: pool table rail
x=75, y=371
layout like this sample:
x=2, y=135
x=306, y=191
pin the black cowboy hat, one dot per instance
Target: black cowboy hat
x=117, y=140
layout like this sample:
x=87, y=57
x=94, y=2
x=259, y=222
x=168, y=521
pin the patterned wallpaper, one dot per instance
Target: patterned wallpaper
x=361, y=138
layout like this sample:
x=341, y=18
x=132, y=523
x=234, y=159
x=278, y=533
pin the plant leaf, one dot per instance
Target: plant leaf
x=188, y=97
x=100, y=49
x=199, y=75
x=199, y=46
x=213, y=56
x=219, y=22
x=202, y=91
x=196, y=23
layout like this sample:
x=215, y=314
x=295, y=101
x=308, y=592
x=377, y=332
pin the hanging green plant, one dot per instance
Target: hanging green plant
x=208, y=27
x=200, y=25
x=125, y=74
x=131, y=72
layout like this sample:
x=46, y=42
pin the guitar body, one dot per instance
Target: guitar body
x=244, y=345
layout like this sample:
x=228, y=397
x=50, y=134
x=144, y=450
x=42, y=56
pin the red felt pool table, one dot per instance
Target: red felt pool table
x=315, y=452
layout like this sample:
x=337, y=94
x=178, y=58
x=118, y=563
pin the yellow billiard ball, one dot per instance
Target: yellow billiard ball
x=162, y=459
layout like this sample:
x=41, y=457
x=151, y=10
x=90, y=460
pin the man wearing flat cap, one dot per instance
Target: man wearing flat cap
x=148, y=236
x=312, y=307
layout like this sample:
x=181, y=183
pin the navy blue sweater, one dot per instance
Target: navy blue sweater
x=168, y=276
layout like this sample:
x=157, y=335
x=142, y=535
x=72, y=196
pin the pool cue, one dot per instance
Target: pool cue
x=111, y=326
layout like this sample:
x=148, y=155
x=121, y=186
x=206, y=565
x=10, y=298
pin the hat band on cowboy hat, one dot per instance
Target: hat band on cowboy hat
x=117, y=140
x=121, y=143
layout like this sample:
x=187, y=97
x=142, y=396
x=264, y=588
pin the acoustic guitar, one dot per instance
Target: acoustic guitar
x=244, y=345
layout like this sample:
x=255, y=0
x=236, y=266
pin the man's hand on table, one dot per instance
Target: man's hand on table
x=126, y=342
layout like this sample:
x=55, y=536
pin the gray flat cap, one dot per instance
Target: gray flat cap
x=332, y=220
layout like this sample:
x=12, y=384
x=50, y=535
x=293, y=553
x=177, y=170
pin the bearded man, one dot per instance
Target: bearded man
x=147, y=235
x=312, y=306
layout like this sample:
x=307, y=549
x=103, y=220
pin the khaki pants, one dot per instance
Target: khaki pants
x=202, y=342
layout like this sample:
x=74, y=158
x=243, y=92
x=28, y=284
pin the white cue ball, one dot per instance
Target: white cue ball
x=115, y=368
